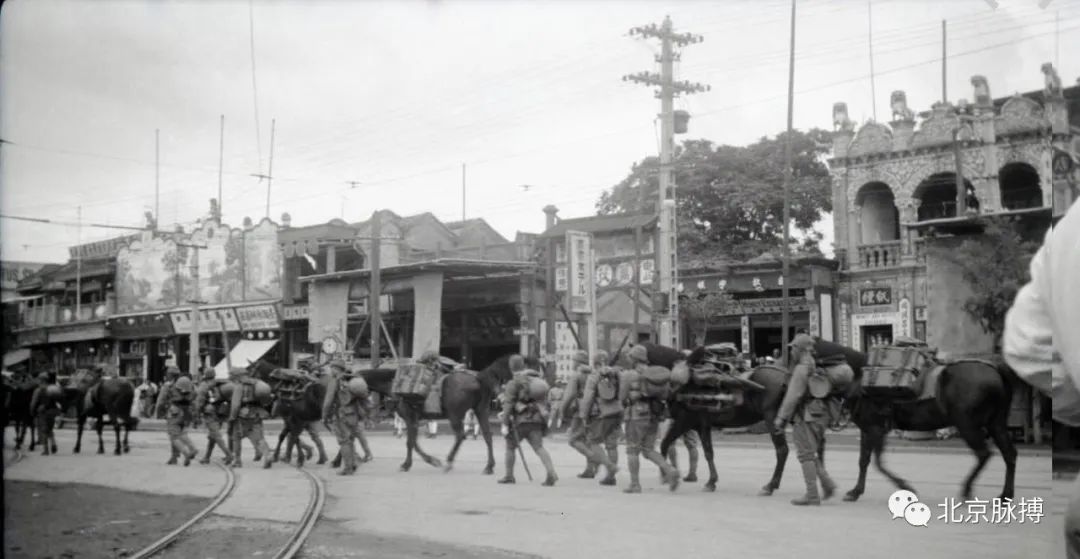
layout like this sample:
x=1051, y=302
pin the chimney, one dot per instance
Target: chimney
x=551, y=218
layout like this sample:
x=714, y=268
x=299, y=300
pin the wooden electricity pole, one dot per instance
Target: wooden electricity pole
x=668, y=318
x=785, y=321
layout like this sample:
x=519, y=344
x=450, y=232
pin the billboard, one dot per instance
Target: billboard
x=580, y=272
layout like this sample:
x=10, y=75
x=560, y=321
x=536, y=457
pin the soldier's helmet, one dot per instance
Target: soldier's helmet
x=601, y=357
x=638, y=354
x=517, y=363
x=208, y=374
x=429, y=357
x=581, y=356
x=184, y=386
x=172, y=371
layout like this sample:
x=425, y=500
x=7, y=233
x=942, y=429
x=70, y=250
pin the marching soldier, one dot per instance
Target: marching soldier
x=611, y=444
x=179, y=398
x=213, y=408
x=601, y=411
x=345, y=403
x=811, y=416
x=523, y=415
x=643, y=415
x=246, y=416
x=45, y=407
x=161, y=406
x=568, y=407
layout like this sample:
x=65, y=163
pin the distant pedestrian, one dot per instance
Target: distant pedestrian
x=45, y=407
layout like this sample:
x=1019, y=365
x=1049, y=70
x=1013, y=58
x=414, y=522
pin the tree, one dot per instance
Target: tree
x=994, y=265
x=699, y=309
x=730, y=198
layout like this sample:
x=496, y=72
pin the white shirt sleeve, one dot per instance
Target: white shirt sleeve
x=1028, y=339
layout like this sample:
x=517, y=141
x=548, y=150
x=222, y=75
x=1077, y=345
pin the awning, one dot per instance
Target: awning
x=13, y=358
x=19, y=299
x=245, y=353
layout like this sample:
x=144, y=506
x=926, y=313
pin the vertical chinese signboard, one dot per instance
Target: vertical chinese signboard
x=579, y=272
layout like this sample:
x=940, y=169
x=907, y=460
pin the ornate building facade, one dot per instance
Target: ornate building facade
x=893, y=183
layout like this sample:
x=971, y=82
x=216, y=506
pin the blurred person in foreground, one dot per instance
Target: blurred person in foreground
x=1042, y=338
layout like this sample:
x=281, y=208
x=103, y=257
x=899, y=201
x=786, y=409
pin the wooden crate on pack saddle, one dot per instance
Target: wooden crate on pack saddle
x=895, y=372
x=413, y=380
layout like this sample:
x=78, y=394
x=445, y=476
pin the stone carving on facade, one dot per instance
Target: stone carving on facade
x=900, y=110
x=938, y=128
x=903, y=176
x=871, y=138
x=982, y=92
x=1051, y=81
x=1018, y=115
x=841, y=122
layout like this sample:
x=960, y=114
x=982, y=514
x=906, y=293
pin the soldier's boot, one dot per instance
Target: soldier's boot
x=828, y=486
x=691, y=475
x=209, y=451
x=613, y=454
x=633, y=464
x=810, y=476
x=545, y=458
x=509, y=459
x=673, y=458
x=264, y=450
x=590, y=471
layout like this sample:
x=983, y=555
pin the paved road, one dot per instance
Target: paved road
x=578, y=518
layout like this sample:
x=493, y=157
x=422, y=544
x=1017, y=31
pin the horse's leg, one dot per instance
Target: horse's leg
x=975, y=438
x=866, y=446
x=705, y=434
x=99, y=426
x=116, y=429
x=410, y=435
x=457, y=425
x=999, y=431
x=483, y=417
x=431, y=460
x=280, y=439
x=879, y=461
x=127, y=429
x=80, y=422
x=779, y=441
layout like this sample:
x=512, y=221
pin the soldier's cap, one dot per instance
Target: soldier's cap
x=581, y=356
x=638, y=353
x=338, y=364
x=517, y=363
x=601, y=356
x=172, y=370
x=209, y=373
x=802, y=341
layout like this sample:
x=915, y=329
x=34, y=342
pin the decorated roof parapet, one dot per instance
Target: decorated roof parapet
x=985, y=120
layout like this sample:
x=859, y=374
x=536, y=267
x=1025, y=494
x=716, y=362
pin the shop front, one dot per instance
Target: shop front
x=79, y=346
x=260, y=326
x=294, y=335
x=144, y=343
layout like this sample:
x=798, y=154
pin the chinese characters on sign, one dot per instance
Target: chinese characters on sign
x=580, y=272
x=561, y=281
x=604, y=275
x=904, y=309
x=875, y=296
x=258, y=317
x=209, y=321
x=624, y=273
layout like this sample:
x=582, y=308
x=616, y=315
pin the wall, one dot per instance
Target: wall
x=949, y=327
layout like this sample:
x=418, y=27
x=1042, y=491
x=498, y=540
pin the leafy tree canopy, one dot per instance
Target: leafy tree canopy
x=700, y=308
x=995, y=266
x=730, y=198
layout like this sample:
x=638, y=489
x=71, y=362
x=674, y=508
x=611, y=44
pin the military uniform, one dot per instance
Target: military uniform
x=811, y=416
x=348, y=412
x=568, y=407
x=180, y=400
x=525, y=418
x=247, y=416
x=603, y=420
x=161, y=406
x=643, y=416
x=45, y=407
x=213, y=409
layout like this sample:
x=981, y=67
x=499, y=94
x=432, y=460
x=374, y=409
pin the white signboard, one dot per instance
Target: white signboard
x=647, y=268
x=624, y=273
x=745, y=323
x=561, y=280
x=844, y=318
x=904, y=310
x=209, y=321
x=565, y=346
x=580, y=272
x=258, y=317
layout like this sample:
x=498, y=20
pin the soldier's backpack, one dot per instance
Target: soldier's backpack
x=656, y=382
x=607, y=387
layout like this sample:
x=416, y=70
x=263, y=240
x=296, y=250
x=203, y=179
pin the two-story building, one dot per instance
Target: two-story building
x=893, y=184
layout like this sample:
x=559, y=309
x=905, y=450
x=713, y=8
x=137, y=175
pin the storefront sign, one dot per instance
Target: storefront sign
x=79, y=333
x=647, y=268
x=102, y=249
x=624, y=273
x=756, y=282
x=875, y=296
x=815, y=327
x=745, y=334
x=771, y=305
x=140, y=327
x=258, y=317
x=920, y=314
x=296, y=312
x=844, y=332
x=904, y=310
x=561, y=281
x=581, y=272
x=604, y=275
x=32, y=337
x=209, y=321
x=859, y=321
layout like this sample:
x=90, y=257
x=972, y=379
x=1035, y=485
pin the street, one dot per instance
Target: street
x=578, y=517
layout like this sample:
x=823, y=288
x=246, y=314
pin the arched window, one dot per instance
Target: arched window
x=937, y=196
x=878, y=213
x=1019, y=187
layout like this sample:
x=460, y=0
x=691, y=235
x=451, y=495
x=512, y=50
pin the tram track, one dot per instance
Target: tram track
x=183, y=537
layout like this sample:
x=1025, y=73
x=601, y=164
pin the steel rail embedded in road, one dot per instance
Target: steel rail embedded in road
x=308, y=520
x=171, y=537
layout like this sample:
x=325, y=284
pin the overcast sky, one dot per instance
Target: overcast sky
x=398, y=95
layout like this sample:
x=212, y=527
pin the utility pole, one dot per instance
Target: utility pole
x=668, y=318
x=374, y=289
x=462, y=192
x=785, y=321
x=78, y=268
x=157, y=172
x=193, y=343
x=270, y=172
x=944, y=80
x=221, y=166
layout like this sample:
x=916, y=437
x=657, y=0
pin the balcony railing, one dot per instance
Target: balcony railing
x=51, y=315
x=879, y=255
